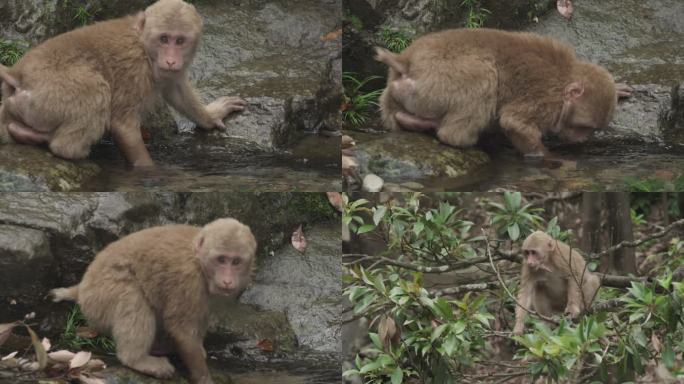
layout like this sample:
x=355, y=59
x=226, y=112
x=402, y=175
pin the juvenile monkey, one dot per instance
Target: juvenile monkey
x=71, y=89
x=458, y=82
x=158, y=280
x=554, y=279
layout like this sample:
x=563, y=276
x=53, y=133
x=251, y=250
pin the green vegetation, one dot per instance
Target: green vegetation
x=446, y=335
x=358, y=103
x=395, y=41
x=72, y=338
x=10, y=52
x=476, y=15
x=354, y=21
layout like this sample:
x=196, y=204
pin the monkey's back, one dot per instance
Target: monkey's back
x=110, y=49
x=156, y=266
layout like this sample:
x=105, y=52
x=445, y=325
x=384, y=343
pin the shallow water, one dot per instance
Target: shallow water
x=578, y=168
x=313, y=165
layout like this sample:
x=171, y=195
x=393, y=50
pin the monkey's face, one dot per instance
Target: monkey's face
x=534, y=258
x=229, y=273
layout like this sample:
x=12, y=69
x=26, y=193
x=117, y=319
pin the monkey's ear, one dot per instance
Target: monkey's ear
x=140, y=21
x=573, y=91
x=199, y=242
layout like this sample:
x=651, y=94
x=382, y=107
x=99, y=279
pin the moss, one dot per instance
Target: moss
x=313, y=206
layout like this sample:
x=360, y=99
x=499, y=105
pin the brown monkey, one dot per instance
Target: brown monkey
x=71, y=89
x=457, y=82
x=159, y=280
x=554, y=279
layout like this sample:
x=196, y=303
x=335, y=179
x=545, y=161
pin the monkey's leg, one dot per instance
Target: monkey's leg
x=415, y=123
x=184, y=99
x=133, y=330
x=526, y=138
x=128, y=137
x=25, y=135
x=189, y=346
x=388, y=110
x=462, y=130
x=525, y=299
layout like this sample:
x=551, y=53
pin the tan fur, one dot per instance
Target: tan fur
x=466, y=79
x=71, y=89
x=554, y=279
x=159, y=279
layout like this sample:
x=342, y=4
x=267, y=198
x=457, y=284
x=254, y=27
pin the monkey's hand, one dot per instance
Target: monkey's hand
x=572, y=310
x=518, y=329
x=222, y=107
x=623, y=90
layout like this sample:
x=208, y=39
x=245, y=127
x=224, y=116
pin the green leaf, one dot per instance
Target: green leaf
x=379, y=214
x=397, y=376
x=365, y=228
x=437, y=332
x=668, y=356
x=514, y=231
x=450, y=344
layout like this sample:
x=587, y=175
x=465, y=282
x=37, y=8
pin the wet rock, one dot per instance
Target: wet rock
x=407, y=155
x=32, y=169
x=673, y=120
x=25, y=261
x=637, y=118
x=372, y=183
x=307, y=287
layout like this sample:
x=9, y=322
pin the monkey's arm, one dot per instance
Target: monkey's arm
x=126, y=133
x=184, y=99
x=525, y=300
x=526, y=138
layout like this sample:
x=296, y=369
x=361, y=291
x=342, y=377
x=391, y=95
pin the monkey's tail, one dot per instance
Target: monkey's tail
x=393, y=60
x=60, y=294
x=7, y=78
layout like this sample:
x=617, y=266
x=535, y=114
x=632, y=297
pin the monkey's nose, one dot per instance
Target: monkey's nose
x=171, y=64
x=227, y=284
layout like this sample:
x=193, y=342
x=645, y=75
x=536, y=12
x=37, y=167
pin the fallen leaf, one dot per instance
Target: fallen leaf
x=96, y=364
x=265, y=345
x=46, y=343
x=347, y=141
x=62, y=356
x=655, y=342
x=80, y=360
x=86, y=333
x=335, y=199
x=13, y=302
x=334, y=35
x=565, y=8
x=41, y=354
x=90, y=380
x=30, y=316
x=298, y=239
x=6, y=331
x=11, y=355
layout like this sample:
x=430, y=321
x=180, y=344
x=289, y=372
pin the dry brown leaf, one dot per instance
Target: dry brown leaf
x=6, y=331
x=86, y=333
x=265, y=345
x=11, y=355
x=96, y=364
x=80, y=360
x=62, y=356
x=335, y=199
x=334, y=35
x=565, y=8
x=41, y=354
x=347, y=141
x=86, y=379
x=655, y=342
x=298, y=240
x=387, y=330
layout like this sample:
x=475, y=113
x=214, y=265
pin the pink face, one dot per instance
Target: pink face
x=231, y=273
x=171, y=51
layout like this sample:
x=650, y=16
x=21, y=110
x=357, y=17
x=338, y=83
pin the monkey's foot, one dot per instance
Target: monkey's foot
x=154, y=366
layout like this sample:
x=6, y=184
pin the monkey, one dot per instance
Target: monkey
x=159, y=280
x=554, y=279
x=457, y=82
x=70, y=90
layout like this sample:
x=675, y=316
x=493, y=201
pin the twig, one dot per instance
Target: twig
x=636, y=243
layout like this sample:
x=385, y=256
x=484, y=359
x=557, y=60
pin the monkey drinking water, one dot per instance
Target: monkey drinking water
x=457, y=82
x=68, y=91
x=160, y=279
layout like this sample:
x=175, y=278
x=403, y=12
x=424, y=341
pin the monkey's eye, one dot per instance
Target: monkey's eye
x=222, y=259
x=237, y=261
x=180, y=41
x=164, y=39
